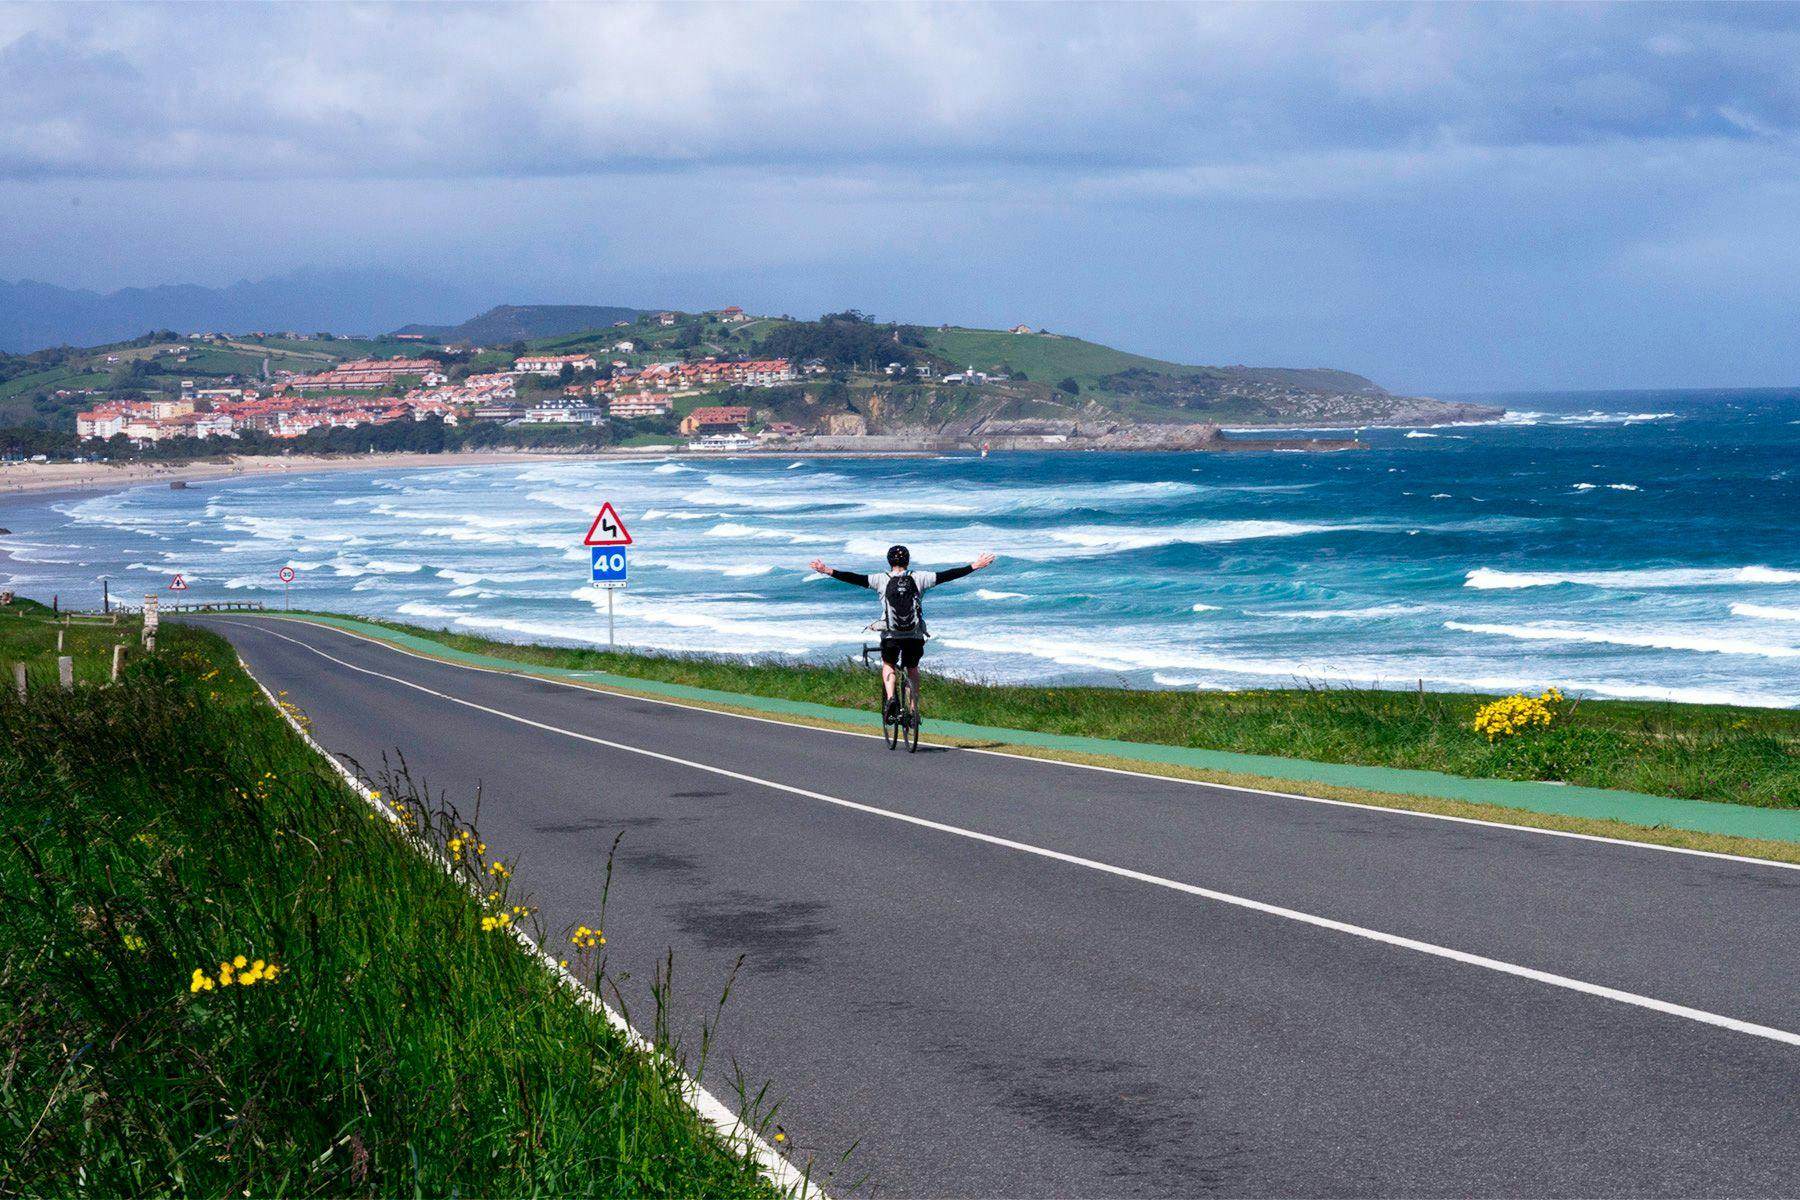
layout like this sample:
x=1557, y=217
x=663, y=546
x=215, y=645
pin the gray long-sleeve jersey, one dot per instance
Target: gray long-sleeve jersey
x=878, y=584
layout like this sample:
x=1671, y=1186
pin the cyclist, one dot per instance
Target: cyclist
x=902, y=622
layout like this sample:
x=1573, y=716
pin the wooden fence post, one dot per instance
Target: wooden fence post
x=19, y=678
x=65, y=672
x=59, y=637
x=118, y=661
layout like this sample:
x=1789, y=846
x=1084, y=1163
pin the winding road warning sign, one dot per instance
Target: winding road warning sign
x=178, y=584
x=607, y=529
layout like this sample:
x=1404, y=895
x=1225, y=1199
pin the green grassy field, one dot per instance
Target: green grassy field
x=1043, y=359
x=1703, y=752
x=395, y=1040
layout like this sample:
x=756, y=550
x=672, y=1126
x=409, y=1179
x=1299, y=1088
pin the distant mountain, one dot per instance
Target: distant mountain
x=35, y=315
x=524, y=322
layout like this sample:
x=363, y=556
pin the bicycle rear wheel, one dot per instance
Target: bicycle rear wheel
x=891, y=729
x=911, y=716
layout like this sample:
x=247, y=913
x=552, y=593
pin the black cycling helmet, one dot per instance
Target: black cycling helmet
x=899, y=556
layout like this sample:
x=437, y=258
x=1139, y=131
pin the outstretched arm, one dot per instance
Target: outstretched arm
x=955, y=573
x=849, y=577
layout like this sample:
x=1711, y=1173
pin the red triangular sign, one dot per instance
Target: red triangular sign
x=178, y=584
x=607, y=529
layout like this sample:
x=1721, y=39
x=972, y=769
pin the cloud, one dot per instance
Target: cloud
x=377, y=91
x=1439, y=195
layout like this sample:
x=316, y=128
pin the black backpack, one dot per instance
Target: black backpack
x=902, y=596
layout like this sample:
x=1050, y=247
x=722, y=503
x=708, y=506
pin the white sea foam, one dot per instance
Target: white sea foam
x=1490, y=579
x=670, y=469
x=721, y=498
x=419, y=608
x=1109, y=539
x=1592, y=417
x=734, y=529
x=990, y=594
x=1376, y=612
x=1765, y=612
x=1205, y=608
x=1419, y=433
x=1624, y=487
x=1647, y=640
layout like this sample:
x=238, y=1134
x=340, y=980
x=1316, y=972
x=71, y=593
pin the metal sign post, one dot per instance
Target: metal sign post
x=287, y=577
x=611, y=569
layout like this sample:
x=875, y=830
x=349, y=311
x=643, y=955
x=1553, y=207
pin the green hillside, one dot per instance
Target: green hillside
x=525, y=322
x=1048, y=357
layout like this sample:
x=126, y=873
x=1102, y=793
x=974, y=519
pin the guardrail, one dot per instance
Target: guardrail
x=197, y=607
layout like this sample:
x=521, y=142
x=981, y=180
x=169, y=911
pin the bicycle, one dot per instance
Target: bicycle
x=906, y=728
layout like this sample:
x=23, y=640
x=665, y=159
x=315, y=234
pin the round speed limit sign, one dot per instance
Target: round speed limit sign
x=287, y=574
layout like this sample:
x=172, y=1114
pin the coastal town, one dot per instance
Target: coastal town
x=579, y=389
x=575, y=378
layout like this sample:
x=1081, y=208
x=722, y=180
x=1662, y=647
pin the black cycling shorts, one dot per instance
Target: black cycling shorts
x=905, y=652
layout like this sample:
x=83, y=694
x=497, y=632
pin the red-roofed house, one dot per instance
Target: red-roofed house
x=727, y=419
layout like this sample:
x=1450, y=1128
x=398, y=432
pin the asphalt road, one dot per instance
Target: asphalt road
x=1047, y=1012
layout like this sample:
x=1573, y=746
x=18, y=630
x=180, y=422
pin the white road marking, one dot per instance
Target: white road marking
x=1373, y=809
x=790, y=1180
x=1701, y=1016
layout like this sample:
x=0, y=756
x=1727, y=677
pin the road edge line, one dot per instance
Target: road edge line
x=789, y=1179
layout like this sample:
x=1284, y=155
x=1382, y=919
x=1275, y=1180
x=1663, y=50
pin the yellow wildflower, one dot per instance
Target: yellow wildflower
x=1517, y=713
x=133, y=942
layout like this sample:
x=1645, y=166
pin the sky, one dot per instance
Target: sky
x=1445, y=198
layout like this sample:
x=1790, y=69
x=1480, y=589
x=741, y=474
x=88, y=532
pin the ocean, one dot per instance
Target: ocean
x=1613, y=544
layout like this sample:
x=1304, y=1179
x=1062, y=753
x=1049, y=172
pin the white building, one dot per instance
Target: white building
x=641, y=404
x=571, y=412
x=552, y=364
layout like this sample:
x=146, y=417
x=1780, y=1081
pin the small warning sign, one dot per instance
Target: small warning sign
x=178, y=584
x=607, y=529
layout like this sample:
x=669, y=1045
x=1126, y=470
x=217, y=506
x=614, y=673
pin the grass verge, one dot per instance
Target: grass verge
x=1700, y=752
x=159, y=829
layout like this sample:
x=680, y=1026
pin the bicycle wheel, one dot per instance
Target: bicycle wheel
x=891, y=729
x=913, y=721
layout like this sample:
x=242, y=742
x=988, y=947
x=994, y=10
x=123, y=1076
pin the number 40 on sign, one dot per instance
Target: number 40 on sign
x=611, y=570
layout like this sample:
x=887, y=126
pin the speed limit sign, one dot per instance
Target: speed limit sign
x=287, y=574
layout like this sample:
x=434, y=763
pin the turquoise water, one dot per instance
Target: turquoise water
x=1636, y=545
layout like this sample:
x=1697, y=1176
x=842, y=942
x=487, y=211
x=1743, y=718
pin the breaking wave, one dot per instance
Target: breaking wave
x=1491, y=579
x=1698, y=643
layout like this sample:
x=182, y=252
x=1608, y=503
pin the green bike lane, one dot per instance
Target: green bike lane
x=1599, y=804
